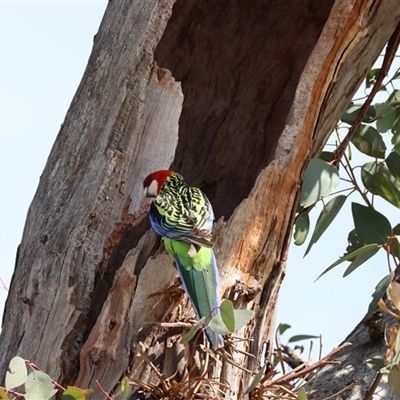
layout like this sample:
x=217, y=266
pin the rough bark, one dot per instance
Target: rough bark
x=264, y=83
x=352, y=371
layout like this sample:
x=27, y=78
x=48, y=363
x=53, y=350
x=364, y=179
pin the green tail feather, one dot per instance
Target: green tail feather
x=199, y=274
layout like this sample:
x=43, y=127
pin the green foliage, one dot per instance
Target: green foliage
x=351, y=113
x=125, y=388
x=3, y=394
x=229, y=320
x=393, y=164
x=227, y=315
x=371, y=77
x=302, y=394
x=226, y=322
x=75, y=393
x=320, y=178
x=380, y=290
x=376, y=363
x=370, y=249
x=37, y=385
x=371, y=226
x=301, y=228
x=378, y=176
x=282, y=328
x=17, y=374
x=298, y=338
x=187, y=337
x=369, y=141
x=328, y=214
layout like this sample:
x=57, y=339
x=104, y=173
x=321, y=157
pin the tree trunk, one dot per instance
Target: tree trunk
x=263, y=84
x=352, y=370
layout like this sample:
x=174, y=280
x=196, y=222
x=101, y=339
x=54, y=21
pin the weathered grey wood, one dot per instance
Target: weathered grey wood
x=353, y=370
x=264, y=83
x=122, y=123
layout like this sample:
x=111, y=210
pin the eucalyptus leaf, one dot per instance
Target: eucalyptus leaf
x=352, y=111
x=394, y=98
x=187, y=337
x=320, y=178
x=125, y=388
x=349, y=256
x=369, y=141
x=301, y=228
x=371, y=77
x=381, y=185
x=370, y=168
x=242, y=317
x=375, y=363
x=301, y=394
x=380, y=290
x=227, y=314
x=297, y=338
x=17, y=374
x=38, y=386
x=325, y=218
x=371, y=226
x=393, y=164
x=218, y=326
x=377, y=184
x=360, y=259
x=3, y=394
x=396, y=135
x=385, y=117
x=326, y=155
x=283, y=328
x=75, y=393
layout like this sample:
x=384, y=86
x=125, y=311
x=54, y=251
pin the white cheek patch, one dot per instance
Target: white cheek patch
x=152, y=190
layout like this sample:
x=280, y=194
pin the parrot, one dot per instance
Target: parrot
x=183, y=217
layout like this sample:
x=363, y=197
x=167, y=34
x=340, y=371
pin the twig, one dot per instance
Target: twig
x=152, y=366
x=103, y=391
x=373, y=387
x=13, y=392
x=334, y=396
x=4, y=286
x=290, y=376
x=390, y=53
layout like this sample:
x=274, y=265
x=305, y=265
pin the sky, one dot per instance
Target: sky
x=44, y=49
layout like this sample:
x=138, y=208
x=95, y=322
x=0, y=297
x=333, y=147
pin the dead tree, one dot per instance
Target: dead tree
x=237, y=96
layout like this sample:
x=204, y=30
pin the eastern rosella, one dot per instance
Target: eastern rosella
x=183, y=216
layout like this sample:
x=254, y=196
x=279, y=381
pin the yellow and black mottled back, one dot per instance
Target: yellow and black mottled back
x=182, y=212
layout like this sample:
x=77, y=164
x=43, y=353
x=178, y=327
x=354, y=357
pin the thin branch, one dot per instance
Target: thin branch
x=324, y=361
x=390, y=53
x=3, y=285
x=373, y=387
x=103, y=391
